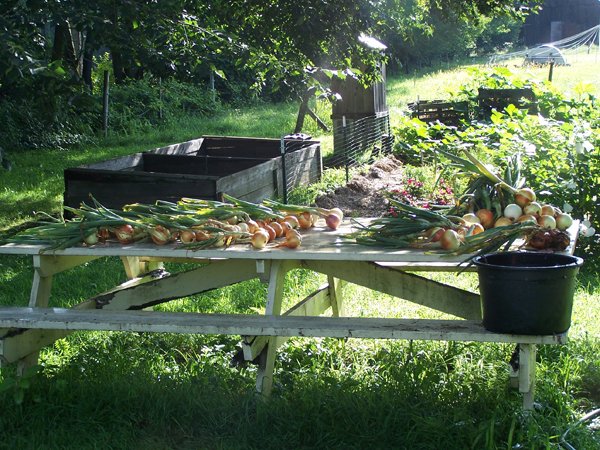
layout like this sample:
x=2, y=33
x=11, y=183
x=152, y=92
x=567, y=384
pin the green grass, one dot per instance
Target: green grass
x=161, y=391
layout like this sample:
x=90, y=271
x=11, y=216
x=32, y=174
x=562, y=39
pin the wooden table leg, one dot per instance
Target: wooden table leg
x=266, y=359
x=335, y=296
x=527, y=353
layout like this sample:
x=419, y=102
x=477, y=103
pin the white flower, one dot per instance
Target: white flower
x=567, y=208
x=588, y=146
x=586, y=223
x=590, y=232
x=579, y=147
x=571, y=185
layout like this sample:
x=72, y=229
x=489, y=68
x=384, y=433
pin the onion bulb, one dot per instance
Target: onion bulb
x=527, y=218
x=187, y=236
x=124, y=234
x=202, y=236
x=533, y=209
x=563, y=221
x=548, y=210
x=292, y=221
x=333, y=221
x=435, y=234
x=513, y=211
x=304, y=220
x=545, y=221
x=338, y=212
x=486, y=217
x=270, y=231
x=471, y=218
x=450, y=240
x=92, y=237
x=259, y=238
x=160, y=235
x=502, y=222
x=252, y=226
x=293, y=239
x=524, y=197
x=277, y=228
x=474, y=229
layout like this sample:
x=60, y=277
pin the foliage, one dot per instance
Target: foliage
x=559, y=148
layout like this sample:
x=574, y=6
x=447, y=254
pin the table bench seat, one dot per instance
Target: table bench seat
x=258, y=325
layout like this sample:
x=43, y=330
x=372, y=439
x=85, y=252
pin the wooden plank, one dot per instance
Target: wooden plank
x=250, y=180
x=128, y=162
x=240, y=146
x=268, y=325
x=199, y=165
x=407, y=286
x=191, y=147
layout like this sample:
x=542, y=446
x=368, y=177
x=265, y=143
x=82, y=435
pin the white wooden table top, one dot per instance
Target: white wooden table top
x=318, y=243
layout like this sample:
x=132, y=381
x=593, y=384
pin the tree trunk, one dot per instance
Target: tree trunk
x=88, y=61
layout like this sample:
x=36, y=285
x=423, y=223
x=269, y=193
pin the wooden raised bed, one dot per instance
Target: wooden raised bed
x=247, y=168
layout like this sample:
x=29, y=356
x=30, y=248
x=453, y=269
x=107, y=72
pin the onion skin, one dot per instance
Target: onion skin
x=304, y=220
x=337, y=211
x=563, y=221
x=513, y=211
x=292, y=221
x=502, y=222
x=486, y=217
x=270, y=231
x=260, y=239
x=524, y=197
x=547, y=222
x=160, y=235
x=202, y=236
x=277, y=228
x=450, y=240
x=252, y=226
x=435, y=234
x=548, y=210
x=333, y=221
x=474, y=229
x=293, y=239
x=534, y=209
x=471, y=218
x=91, y=238
x=187, y=236
x=124, y=234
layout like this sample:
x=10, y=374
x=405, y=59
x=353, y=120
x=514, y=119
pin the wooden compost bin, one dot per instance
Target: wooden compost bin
x=251, y=169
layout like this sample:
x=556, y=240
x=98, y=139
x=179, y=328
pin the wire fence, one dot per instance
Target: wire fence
x=360, y=141
x=300, y=162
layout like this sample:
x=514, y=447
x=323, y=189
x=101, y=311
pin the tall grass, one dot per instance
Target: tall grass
x=160, y=391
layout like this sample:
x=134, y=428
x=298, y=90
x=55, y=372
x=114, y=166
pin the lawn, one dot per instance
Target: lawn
x=159, y=391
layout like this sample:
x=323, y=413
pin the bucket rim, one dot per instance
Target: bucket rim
x=576, y=261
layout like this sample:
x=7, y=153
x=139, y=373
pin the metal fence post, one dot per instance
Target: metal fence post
x=284, y=171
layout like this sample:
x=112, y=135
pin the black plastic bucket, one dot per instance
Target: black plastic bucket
x=527, y=292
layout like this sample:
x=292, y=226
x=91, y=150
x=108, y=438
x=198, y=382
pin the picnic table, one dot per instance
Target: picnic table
x=127, y=307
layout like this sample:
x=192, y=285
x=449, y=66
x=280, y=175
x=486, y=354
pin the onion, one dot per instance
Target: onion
x=103, y=234
x=563, y=221
x=333, y=221
x=502, y=222
x=513, y=211
x=202, y=236
x=293, y=239
x=187, y=236
x=270, y=231
x=304, y=220
x=243, y=227
x=486, y=217
x=474, y=229
x=547, y=221
x=278, y=228
x=450, y=240
x=337, y=211
x=160, y=235
x=124, y=234
x=292, y=221
x=548, y=210
x=435, y=234
x=533, y=209
x=260, y=238
x=92, y=237
x=527, y=218
x=314, y=218
x=524, y=197
x=471, y=218
x=252, y=226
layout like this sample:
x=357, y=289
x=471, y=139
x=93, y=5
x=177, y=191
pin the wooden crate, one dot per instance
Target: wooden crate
x=449, y=113
x=499, y=99
x=247, y=168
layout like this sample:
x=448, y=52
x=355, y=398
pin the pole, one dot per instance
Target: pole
x=105, y=102
x=284, y=171
x=550, y=71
